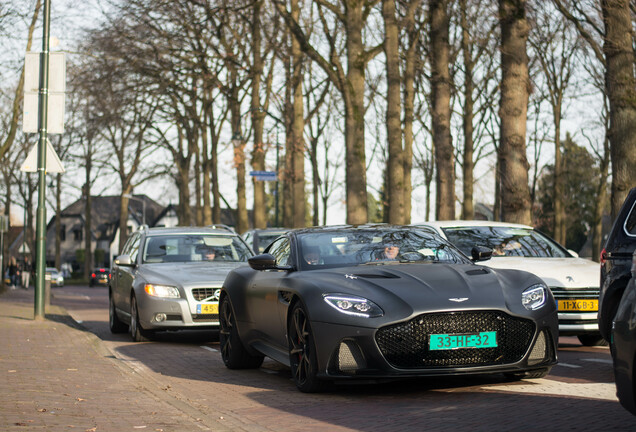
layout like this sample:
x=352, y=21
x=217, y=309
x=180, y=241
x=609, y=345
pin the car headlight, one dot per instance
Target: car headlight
x=162, y=291
x=356, y=306
x=534, y=297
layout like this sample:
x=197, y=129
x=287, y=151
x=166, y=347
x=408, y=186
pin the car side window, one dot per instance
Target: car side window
x=126, y=249
x=134, y=248
x=630, y=222
x=281, y=250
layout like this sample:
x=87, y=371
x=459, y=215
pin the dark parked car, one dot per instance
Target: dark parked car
x=377, y=302
x=624, y=345
x=616, y=261
x=99, y=276
x=170, y=279
x=259, y=239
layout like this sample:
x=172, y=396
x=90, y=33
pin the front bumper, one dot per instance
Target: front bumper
x=354, y=352
x=157, y=313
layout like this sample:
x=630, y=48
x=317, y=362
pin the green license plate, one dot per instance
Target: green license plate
x=465, y=340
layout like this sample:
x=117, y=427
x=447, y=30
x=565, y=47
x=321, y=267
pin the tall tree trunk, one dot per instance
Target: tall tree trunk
x=441, y=113
x=205, y=165
x=238, y=142
x=410, y=66
x=601, y=197
x=258, y=119
x=621, y=90
x=559, y=208
x=513, y=111
x=88, y=217
x=356, y=172
x=468, y=209
x=297, y=168
x=395, y=175
x=123, y=216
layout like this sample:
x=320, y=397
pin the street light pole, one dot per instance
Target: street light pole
x=42, y=126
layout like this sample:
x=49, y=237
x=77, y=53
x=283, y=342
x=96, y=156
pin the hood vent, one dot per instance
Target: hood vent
x=476, y=272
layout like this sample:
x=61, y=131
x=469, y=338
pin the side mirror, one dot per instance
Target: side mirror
x=262, y=262
x=574, y=254
x=266, y=262
x=124, y=260
x=480, y=253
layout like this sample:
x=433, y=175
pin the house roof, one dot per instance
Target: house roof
x=105, y=213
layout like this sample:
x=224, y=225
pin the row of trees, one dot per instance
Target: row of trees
x=423, y=92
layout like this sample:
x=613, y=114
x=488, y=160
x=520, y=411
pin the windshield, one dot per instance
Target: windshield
x=194, y=247
x=505, y=241
x=374, y=246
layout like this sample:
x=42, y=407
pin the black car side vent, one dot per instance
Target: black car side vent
x=475, y=272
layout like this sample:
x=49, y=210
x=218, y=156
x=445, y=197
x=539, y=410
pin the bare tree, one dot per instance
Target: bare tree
x=350, y=15
x=612, y=43
x=555, y=47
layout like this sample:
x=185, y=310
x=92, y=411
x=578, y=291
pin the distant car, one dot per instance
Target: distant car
x=170, y=279
x=572, y=280
x=624, y=345
x=616, y=263
x=56, y=277
x=259, y=239
x=377, y=302
x=99, y=276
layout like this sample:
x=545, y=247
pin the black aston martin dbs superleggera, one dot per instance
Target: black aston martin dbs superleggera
x=381, y=301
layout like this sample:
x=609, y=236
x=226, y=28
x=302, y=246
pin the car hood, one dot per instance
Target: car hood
x=188, y=274
x=555, y=272
x=429, y=287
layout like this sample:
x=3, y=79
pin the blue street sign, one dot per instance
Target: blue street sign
x=264, y=175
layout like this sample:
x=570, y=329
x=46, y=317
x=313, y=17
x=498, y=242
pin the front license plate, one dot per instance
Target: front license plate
x=212, y=308
x=590, y=305
x=466, y=340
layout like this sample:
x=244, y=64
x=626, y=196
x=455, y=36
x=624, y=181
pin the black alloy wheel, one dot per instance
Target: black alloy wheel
x=302, y=352
x=116, y=325
x=233, y=352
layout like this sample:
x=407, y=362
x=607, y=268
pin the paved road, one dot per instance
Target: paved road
x=579, y=394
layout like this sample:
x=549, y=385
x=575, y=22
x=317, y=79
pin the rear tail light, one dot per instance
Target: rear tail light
x=603, y=256
x=93, y=275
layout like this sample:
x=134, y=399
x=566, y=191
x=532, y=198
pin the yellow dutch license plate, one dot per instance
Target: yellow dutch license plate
x=590, y=305
x=212, y=308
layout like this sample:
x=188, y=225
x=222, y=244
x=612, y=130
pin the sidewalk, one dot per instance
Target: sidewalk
x=56, y=376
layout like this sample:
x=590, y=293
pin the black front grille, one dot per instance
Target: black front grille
x=200, y=294
x=205, y=317
x=405, y=345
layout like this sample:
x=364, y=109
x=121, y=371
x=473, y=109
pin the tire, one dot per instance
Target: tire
x=534, y=374
x=592, y=340
x=233, y=352
x=116, y=325
x=137, y=333
x=302, y=352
